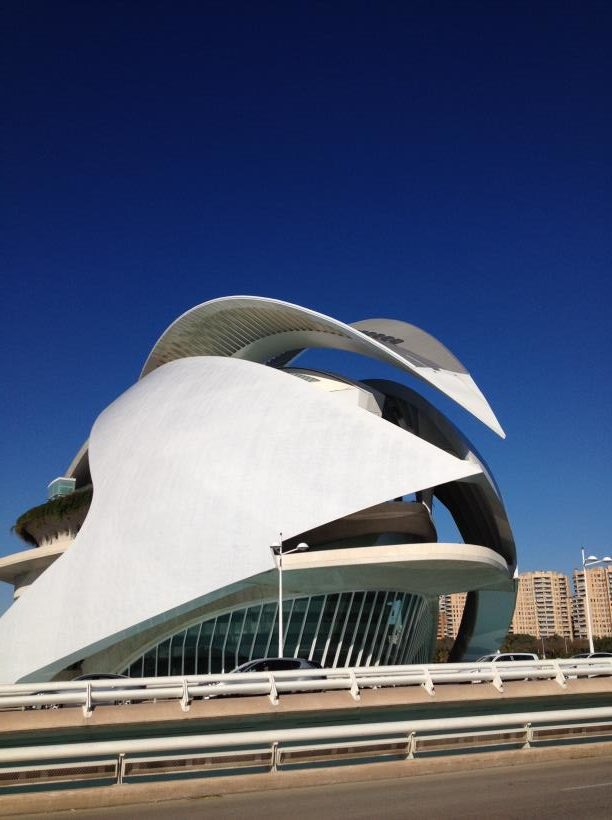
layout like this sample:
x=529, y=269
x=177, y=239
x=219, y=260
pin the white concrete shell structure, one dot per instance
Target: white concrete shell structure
x=218, y=448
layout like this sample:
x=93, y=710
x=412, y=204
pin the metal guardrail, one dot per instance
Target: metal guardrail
x=184, y=689
x=273, y=750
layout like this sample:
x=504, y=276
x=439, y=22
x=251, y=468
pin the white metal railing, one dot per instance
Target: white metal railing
x=89, y=694
x=345, y=735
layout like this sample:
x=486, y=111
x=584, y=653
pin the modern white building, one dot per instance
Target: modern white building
x=158, y=562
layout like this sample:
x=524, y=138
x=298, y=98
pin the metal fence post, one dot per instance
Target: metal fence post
x=120, y=768
x=560, y=677
x=273, y=690
x=185, y=698
x=410, y=746
x=428, y=684
x=87, y=710
x=354, y=685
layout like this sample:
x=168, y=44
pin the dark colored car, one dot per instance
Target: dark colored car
x=81, y=678
x=276, y=665
x=135, y=684
x=587, y=656
x=99, y=676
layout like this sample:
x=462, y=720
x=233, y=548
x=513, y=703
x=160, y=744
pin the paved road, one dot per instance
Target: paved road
x=561, y=789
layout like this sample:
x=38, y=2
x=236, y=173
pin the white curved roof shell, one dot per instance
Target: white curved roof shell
x=268, y=330
x=238, y=453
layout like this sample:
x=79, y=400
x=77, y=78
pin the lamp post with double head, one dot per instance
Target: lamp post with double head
x=278, y=552
x=590, y=561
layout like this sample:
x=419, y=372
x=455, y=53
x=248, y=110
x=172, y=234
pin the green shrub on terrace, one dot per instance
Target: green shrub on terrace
x=51, y=513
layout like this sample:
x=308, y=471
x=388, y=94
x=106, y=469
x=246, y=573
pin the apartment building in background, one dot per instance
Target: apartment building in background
x=451, y=613
x=543, y=605
x=599, y=584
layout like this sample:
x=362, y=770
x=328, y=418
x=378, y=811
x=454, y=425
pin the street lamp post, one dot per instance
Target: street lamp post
x=278, y=552
x=590, y=561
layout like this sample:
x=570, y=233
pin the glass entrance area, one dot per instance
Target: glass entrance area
x=342, y=629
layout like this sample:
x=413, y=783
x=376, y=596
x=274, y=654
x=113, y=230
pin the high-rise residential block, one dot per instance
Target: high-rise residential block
x=599, y=584
x=543, y=605
x=451, y=613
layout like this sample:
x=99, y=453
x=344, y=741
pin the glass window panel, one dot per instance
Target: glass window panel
x=149, y=663
x=351, y=628
x=294, y=626
x=234, y=631
x=189, y=650
x=386, y=628
x=268, y=615
x=394, y=630
x=338, y=626
x=365, y=620
x=136, y=669
x=249, y=630
x=287, y=609
x=370, y=643
x=401, y=631
x=324, y=627
x=414, y=615
x=216, y=649
x=310, y=627
x=203, y=653
x=163, y=658
x=271, y=647
x=280, y=665
x=176, y=653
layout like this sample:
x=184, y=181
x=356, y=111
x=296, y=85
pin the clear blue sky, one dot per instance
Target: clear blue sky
x=444, y=163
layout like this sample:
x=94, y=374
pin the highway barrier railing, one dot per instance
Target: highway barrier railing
x=123, y=761
x=184, y=689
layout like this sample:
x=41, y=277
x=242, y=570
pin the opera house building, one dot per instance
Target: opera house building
x=152, y=555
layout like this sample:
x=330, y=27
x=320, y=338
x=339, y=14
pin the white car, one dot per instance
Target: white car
x=583, y=656
x=508, y=656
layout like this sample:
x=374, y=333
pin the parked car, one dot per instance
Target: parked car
x=587, y=656
x=503, y=657
x=276, y=665
x=99, y=676
x=135, y=684
x=583, y=656
x=270, y=665
x=508, y=656
x=92, y=676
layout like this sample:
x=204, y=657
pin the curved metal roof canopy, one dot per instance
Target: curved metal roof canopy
x=269, y=331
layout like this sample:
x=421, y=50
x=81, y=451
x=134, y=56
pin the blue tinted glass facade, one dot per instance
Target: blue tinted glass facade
x=340, y=629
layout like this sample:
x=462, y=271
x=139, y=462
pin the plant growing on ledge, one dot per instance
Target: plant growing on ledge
x=64, y=513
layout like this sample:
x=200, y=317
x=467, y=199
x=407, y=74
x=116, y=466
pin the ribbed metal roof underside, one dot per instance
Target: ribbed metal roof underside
x=269, y=331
